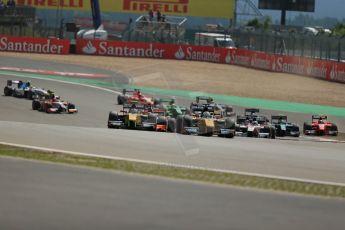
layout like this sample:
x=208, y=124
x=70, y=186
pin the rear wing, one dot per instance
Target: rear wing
x=202, y=108
x=166, y=101
x=136, y=106
x=13, y=82
x=125, y=91
x=204, y=98
x=277, y=118
x=251, y=111
x=318, y=117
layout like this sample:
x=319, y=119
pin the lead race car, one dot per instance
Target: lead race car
x=320, y=126
x=53, y=104
x=24, y=90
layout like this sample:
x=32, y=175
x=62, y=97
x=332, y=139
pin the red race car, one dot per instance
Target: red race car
x=134, y=96
x=320, y=126
x=53, y=105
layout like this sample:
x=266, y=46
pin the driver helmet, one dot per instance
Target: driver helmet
x=206, y=114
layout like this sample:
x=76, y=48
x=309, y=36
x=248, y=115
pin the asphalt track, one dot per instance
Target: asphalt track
x=86, y=132
x=48, y=196
x=36, y=195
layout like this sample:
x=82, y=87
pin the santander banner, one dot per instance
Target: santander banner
x=327, y=70
x=34, y=45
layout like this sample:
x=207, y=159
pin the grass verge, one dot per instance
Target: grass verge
x=179, y=172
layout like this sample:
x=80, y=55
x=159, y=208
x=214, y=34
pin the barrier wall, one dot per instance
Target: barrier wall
x=34, y=45
x=327, y=70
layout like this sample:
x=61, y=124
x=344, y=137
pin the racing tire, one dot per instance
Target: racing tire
x=112, y=116
x=334, y=128
x=36, y=105
x=231, y=135
x=121, y=99
x=70, y=106
x=8, y=91
x=179, y=124
x=172, y=125
x=272, y=133
x=306, y=127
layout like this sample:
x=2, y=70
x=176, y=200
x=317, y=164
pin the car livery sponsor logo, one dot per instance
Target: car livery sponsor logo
x=166, y=6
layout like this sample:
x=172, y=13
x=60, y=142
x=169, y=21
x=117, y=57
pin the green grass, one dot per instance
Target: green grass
x=178, y=172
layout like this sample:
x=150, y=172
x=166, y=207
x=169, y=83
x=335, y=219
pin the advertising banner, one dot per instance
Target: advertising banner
x=199, y=8
x=150, y=50
x=326, y=70
x=34, y=45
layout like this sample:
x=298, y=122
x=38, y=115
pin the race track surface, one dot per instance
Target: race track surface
x=86, y=132
x=37, y=195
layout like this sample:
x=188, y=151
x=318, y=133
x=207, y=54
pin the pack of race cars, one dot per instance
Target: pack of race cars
x=42, y=100
x=204, y=117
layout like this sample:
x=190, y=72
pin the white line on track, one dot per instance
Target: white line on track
x=61, y=81
x=172, y=165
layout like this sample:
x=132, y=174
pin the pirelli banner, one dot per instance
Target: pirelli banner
x=198, y=8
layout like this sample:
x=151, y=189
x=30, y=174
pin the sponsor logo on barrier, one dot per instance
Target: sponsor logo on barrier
x=179, y=55
x=315, y=71
x=197, y=55
x=122, y=50
x=239, y=59
x=89, y=48
x=337, y=75
x=260, y=63
x=52, y=3
x=228, y=58
x=282, y=66
x=167, y=6
x=30, y=46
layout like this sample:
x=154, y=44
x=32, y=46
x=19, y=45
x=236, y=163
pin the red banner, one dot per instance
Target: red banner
x=327, y=70
x=34, y=45
x=150, y=50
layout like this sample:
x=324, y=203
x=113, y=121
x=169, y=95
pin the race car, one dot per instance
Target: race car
x=53, y=105
x=24, y=90
x=16, y=88
x=206, y=124
x=283, y=127
x=134, y=96
x=252, y=124
x=207, y=104
x=320, y=126
x=171, y=111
